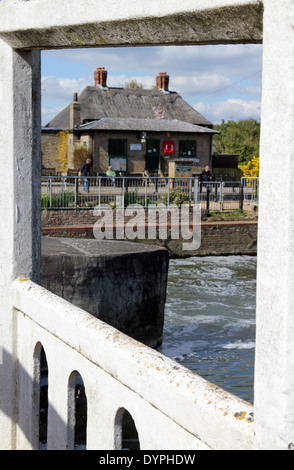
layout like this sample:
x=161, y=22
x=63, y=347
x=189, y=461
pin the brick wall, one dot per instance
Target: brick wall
x=137, y=158
x=67, y=218
x=50, y=150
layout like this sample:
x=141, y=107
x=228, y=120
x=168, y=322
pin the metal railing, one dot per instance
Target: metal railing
x=250, y=188
x=221, y=196
x=63, y=192
x=74, y=192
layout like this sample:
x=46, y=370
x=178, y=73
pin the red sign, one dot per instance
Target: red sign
x=168, y=147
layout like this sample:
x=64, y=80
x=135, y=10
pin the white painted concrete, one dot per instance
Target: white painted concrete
x=173, y=408
x=19, y=195
x=274, y=383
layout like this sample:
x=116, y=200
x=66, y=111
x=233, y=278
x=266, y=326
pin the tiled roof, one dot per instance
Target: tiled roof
x=155, y=125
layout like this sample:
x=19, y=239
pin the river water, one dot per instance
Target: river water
x=210, y=319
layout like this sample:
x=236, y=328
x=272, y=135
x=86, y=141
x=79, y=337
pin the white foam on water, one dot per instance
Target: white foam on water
x=210, y=319
x=240, y=345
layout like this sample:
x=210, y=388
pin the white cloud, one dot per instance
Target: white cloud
x=49, y=113
x=199, y=84
x=54, y=88
x=233, y=109
x=251, y=91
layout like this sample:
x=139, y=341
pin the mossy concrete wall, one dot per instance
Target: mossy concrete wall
x=79, y=24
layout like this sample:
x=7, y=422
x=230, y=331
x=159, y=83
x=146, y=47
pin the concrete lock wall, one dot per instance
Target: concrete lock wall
x=121, y=283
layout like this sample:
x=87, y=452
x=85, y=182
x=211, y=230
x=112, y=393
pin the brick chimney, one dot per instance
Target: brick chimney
x=100, y=77
x=162, y=81
x=75, y=112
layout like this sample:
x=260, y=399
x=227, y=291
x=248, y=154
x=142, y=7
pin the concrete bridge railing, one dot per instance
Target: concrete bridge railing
x=172, y=408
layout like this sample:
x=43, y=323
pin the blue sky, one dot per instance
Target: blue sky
x=221, y=82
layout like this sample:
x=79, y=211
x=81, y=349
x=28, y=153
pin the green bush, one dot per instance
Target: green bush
x=175, y=196
x=63, y=199
x=130, y=198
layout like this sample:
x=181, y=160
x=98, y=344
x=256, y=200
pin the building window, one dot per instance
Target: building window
x=117, y=147
x=187, y=148
x=117, y=154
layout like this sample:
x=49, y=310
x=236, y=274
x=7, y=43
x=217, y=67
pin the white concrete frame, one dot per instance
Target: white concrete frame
x=35, y=24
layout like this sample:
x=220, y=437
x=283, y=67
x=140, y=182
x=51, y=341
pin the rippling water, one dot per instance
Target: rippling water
x=210, y=319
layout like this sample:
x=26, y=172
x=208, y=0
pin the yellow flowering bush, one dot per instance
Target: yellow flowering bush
x=251, y=168
x=63, y=146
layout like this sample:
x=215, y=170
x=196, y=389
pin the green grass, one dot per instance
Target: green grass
x=236, y=213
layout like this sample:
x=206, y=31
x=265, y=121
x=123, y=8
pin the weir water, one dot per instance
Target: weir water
x=210, y=319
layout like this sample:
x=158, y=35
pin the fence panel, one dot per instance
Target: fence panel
x=63, y=192
x=73, y=192
x=220, y=195
x=250, y=187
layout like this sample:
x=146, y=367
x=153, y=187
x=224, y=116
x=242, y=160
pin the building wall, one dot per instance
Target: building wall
x=97, y=144
x=50, y=149
x=137, y=158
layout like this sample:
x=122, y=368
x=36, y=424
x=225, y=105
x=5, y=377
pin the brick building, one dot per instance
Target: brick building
x=133, y=130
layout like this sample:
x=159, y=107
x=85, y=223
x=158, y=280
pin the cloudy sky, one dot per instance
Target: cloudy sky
x=221, y=82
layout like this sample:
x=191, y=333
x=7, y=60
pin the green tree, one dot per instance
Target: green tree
x=238, y=137
x=133, y=84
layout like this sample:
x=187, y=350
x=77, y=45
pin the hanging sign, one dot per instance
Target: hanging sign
x=168, y=147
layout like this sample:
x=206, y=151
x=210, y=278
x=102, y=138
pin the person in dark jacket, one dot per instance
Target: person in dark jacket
x=207, y=176
x=85, y=171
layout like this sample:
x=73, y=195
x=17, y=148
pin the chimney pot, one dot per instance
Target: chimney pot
x=162, y=81
x=100, y=77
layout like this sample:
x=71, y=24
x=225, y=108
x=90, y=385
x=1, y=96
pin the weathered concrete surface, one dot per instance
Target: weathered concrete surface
x=20, y=190
x=89, y=24
x=121, y=283
x=274, y=356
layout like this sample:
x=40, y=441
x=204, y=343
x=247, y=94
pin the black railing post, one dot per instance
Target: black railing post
x=76, y=180
x=241, y=196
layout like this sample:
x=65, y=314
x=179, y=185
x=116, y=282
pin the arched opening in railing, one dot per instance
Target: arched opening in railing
x=126, y=434
x=41, y=393
x=77, y=412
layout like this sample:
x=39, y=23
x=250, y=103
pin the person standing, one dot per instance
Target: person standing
x=85, y=172
x=206, y=174
x=205, y=177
